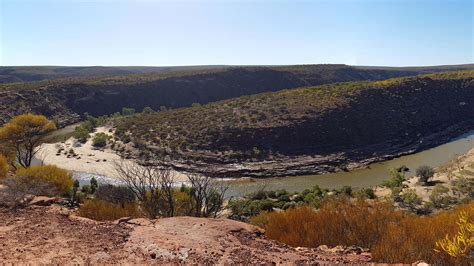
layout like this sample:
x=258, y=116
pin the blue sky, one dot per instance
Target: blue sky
x=164, y=33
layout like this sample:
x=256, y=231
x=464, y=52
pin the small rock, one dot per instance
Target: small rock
x=42, y=201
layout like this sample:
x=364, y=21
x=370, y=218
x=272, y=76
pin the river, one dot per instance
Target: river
x=374, y=175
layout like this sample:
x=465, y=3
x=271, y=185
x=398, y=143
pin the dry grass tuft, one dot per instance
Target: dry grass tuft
x=393, y=236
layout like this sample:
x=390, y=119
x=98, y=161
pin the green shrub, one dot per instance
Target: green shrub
x=424, y=173
x=464, y=186
x=128, y=111
x=81, y=134
x=86, y=189
x=346, y=190
x=365, y=193
x=439, y=196
x=243, y=209
x=94, y=185
x=396, y=179
x=92, y=121
x=100, y=140
x=148, y=110
x=410, y=198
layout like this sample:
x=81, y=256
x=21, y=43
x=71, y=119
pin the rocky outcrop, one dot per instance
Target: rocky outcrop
x=54, y=235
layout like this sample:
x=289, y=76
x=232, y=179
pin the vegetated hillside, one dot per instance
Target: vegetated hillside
x=66, y=99
x=311, y=130
x=422, y=69
x=9, y=74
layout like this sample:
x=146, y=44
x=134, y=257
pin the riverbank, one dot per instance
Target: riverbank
x=87, y=166
x=314, y=165
x=445, y=175
x=85, y=158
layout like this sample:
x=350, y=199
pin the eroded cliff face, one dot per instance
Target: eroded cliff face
x=293, y=134
x=66, y=100
x=397, y=116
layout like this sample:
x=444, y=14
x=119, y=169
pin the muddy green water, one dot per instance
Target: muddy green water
x=369, y=177
x=374, y=175
x=60, y=134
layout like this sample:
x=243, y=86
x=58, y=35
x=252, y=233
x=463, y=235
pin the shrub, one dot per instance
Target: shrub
x=100, y=140
x=94, y=185
x=243, y=209
x=92, y=121
x=102, y=210
x=86, y=189
x=19, y=187
x=414, y=238
x=424, y=173
x=81, y=133
x=393, y=236
x=115, y=194
x=128, y=111
x=346, y=190
x=183, y=202
x=464, y=186
x=461, y=244
x=60, y=179
x=4, y=167
x=410, y=198
x=396, y=179
x=439, y=196
x=148, y=110
x=365, y=193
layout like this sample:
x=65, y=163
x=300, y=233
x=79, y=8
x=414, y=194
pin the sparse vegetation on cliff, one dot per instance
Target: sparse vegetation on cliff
x=360, y=119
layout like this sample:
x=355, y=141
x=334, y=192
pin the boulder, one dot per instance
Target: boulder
x=43, y=201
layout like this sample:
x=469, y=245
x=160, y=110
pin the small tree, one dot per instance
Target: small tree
x=154, y=188
x=151, y=185
x=24, y=134
x=424, y=173
x=148, y=110
x=207, y=194
x=94, y=185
